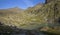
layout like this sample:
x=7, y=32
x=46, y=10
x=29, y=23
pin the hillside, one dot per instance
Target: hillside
x=10, y=11
x=22, y=20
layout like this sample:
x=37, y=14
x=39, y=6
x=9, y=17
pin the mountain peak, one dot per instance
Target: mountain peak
x=16, y=8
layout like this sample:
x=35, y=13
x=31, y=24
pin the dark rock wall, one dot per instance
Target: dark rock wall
x=47, y=1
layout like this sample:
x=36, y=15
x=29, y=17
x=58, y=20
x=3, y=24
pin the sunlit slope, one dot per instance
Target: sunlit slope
x=24, y=21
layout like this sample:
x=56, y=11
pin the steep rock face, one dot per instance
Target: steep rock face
x=52, y=9
x=47, y=1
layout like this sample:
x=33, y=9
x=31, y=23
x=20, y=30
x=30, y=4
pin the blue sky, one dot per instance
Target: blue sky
x=19, y=3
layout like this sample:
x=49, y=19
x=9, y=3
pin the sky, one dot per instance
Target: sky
x=23, y=4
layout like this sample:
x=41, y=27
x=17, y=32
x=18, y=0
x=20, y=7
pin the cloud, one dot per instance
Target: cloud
x=28, y=3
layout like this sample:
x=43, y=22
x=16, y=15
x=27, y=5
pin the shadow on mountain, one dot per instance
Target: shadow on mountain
x=9, y=30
